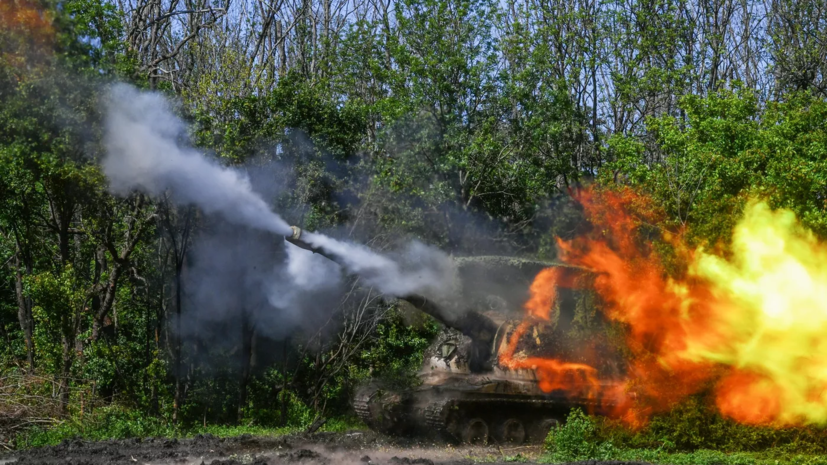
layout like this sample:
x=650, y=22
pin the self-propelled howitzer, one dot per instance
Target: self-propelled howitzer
x=466, y=391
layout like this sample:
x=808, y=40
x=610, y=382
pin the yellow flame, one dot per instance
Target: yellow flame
x=770, y=313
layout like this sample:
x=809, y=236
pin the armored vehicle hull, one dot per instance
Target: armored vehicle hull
x=494, y=405
x=476, y=409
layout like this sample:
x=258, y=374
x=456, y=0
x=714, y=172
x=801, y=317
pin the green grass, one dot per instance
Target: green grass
x=701, y=457
x=118, y=423
x=227, y=431
x=584, y=438
x=683, y=437
x=334, y=425
x=106, y=423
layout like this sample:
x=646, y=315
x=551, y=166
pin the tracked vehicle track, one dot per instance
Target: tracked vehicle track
x=446, y=414
x=361, y=405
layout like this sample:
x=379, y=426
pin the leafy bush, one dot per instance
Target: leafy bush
x=342, y=424
x=690, y=434
x=397, y=354
x=578, y=439
x=694, y=425
x=699, y=457
x=106, y=423
x=715, y=457
x=120, y=423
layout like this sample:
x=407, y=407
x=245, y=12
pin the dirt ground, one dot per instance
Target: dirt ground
x=356, y=448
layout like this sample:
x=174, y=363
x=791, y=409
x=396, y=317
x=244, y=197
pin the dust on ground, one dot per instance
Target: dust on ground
x=354, y=448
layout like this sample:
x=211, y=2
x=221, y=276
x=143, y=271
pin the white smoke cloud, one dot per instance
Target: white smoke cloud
x=417, y=269
x=305, y=273
x=144, y=153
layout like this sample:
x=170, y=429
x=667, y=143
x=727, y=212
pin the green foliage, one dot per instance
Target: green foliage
x=265, y=406
x=120, y=423
x=105, y=423
x=225, y=431
x=398, y=353
x=714, y=457
x=726, y=150
x=695, y=425
x=57, y=316
x=94, y=30
x=689, y=434
x=342, y=424
x=578, y=439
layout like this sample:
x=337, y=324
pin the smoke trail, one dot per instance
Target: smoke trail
x=418, y=269
x=236, y=271
x=144, y=153
x=304, y=278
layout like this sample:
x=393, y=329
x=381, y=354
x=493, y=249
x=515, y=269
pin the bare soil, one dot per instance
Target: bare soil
x=354, y=448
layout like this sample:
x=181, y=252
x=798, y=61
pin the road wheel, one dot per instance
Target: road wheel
x=475, y=431
x=540, y=429
x=511, y=431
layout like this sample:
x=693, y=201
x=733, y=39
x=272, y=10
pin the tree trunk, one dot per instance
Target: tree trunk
x=65, y=369
x=283, y=407
x=282, y=48
x=108, y=300
x=5, y=335
x=24, y=310
x=248, y=334
x=159, y=327
x=179, y=385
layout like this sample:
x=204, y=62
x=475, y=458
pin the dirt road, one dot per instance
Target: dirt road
x=356, y=448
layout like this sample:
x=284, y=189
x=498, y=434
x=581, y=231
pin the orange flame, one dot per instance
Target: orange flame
x=637, y=291
x=749, y=326
x=553, y=375
x=748, y=398
x=574, y=380
x=543, y=292
x=661, y=315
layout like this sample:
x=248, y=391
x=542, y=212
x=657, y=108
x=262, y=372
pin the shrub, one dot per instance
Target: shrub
x=107, y=423
x=694, y=425
x=578, y=439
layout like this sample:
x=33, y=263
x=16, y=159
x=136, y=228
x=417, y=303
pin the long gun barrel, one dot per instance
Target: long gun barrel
x=296, y=239
x=478, y=327
x=470, y=323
